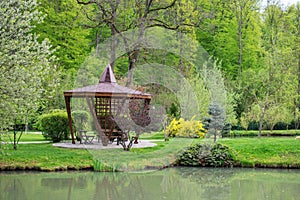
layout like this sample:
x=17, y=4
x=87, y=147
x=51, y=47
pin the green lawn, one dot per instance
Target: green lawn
x=249, y=152
x=26, y=137
x=160, y=156
x=266, y=152
x=44, y=157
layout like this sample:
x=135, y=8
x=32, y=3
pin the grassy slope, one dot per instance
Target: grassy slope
x=250, y=152
x=162, y=155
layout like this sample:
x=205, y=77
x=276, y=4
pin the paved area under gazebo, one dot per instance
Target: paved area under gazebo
x=96, y=145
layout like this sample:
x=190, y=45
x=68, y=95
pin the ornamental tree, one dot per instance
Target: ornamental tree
x=26, y=72
x=217, y=119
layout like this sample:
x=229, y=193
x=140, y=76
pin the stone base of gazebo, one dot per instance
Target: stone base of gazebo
x=95, y=145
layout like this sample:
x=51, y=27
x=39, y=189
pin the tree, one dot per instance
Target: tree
x=276, y=114
x=292, y=24
x=217, y=119
x=244, y=13
x=230, y=32
x=121, y=16
x=63, y=25
x=26, y=69
x=272, y=84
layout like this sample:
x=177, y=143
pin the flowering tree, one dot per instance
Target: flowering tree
x=26, y=73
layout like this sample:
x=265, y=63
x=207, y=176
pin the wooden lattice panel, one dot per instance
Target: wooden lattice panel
x=106, y=108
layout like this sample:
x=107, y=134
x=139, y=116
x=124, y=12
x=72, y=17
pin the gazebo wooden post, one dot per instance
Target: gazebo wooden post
x=68, y=100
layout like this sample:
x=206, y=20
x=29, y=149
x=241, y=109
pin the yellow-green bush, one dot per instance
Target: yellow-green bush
x=181, y=128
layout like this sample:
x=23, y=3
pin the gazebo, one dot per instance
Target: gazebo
x=105, y=100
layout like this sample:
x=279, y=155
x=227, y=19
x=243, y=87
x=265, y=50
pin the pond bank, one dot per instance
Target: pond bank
x=249, y=153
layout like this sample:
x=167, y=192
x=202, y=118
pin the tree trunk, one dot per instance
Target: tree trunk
x=239, y=10
x=215, y=136
x=133, y=55
x=15, y=139
x=261, y=120
x=114, y=44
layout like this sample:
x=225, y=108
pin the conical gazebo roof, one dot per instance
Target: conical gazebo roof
x=106, y=87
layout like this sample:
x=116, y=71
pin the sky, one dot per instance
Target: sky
x=289, y=2
x=283, y=2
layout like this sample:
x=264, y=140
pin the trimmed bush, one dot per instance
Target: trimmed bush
x=54, y=125
x=206, y=155
x=182, y=128
x=274, y=133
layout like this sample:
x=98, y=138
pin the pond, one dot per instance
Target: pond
x=172, y=183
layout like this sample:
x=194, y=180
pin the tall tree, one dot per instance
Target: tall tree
x=274, y=85
x=26, y=72
x=244, y=11
x=63, y=25
x=293, y=25
x=230, y=31
x=122, y=15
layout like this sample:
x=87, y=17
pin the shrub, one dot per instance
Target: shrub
x=54, y=125
x=206, y=155
x=81, y=119
x=182, y=128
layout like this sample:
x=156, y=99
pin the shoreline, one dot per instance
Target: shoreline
x=146, y=168
x=273, y=153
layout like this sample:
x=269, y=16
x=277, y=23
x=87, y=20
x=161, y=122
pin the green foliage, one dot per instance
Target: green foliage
x=253, y=133
x=63, y=26
x=54, y=125
x=173, y=110
x=206, y=155
x=80, y=118
x=276, y=114
x=28, y=76
x=189, y=129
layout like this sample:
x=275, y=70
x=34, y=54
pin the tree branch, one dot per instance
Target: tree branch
x=160, y=23
x=86, y=3
x=163, y=8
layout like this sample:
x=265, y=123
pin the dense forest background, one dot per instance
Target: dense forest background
x=255, y=46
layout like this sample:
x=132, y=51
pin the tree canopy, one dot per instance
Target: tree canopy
x=256, y=50
x=27, y=68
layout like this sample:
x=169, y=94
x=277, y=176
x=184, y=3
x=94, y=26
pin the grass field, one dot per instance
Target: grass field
x=26, y=137
x=280, y=152
x=160, y=156
x=44, y=157
x=283, y=152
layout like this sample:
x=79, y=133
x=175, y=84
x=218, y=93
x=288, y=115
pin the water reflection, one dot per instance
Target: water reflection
x=173, y=183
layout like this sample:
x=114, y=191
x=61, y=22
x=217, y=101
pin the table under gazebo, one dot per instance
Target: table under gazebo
x=104, y=101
